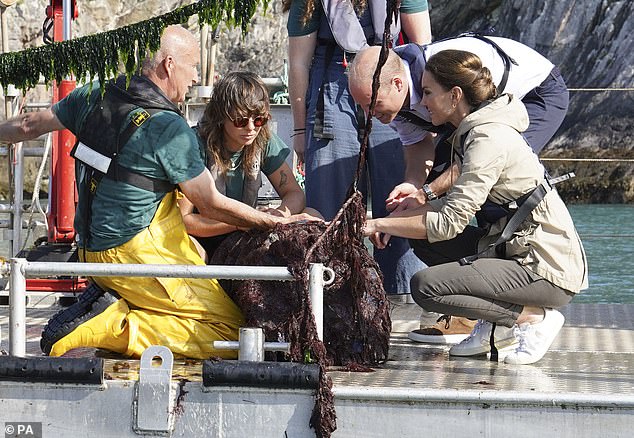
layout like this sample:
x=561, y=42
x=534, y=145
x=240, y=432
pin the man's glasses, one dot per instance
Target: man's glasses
x=258, y=121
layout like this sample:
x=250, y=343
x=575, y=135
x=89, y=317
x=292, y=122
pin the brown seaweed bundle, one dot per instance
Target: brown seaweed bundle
x=356, y=318
x=356, y=310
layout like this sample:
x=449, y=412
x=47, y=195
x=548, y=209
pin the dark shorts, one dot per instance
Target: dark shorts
x=547, y=105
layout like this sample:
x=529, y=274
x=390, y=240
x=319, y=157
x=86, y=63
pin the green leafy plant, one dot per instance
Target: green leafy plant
x=99, y=55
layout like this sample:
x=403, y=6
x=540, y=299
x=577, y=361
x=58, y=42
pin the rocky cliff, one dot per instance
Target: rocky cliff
x=590, y=41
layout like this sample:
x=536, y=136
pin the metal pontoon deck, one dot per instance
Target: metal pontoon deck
x=583, y=387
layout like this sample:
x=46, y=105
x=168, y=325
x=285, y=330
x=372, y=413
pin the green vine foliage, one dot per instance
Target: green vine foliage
x=99, y=55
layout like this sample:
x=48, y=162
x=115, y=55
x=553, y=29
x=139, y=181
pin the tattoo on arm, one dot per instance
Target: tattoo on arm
x=283, y=178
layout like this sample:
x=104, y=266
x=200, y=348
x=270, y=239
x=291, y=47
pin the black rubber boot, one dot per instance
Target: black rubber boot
x=90, y=303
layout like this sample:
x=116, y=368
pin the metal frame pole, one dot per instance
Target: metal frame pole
x=67, y=18
x=17, y=165
x=316, y=283
x=20, y=268
x=17, y=308
x=204, y=54
x=251, y=344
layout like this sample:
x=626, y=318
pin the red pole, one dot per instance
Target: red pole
x=64, y=178
x=63, y=190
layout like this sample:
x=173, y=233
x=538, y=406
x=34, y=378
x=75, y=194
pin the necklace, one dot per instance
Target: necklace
x=235, y=163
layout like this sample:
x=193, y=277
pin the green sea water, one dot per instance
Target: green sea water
x=607, y=233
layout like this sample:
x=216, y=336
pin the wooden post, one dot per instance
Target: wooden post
x=211, y=71
x=204, y=39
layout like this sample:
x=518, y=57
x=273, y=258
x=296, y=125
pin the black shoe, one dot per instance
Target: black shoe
x=90, y=303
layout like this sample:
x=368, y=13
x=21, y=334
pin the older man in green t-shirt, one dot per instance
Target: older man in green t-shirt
x=132, y=216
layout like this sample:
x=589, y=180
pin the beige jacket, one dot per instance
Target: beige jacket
x=499, y=165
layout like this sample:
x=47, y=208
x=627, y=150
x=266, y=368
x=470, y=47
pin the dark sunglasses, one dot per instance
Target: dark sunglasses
x=258, y=121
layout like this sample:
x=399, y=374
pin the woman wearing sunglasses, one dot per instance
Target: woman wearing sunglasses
x=239, y=146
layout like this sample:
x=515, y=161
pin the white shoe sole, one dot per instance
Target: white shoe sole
x=503, y=352
x=437, y=339
x=483, y=349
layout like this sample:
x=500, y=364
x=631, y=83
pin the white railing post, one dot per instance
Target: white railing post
x=17, y=308
x=316, y=283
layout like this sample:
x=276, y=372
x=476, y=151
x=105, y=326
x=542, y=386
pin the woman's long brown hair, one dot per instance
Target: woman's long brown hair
x=238, y=94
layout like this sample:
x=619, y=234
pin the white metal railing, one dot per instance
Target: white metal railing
x=19, y=269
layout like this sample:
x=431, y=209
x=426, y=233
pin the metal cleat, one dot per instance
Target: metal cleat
x=155, y=397
x=251, y=345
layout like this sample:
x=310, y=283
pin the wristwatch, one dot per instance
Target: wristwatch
x=429, y=193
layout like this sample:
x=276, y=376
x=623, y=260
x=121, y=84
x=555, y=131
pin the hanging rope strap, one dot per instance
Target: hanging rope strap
x=524, y=206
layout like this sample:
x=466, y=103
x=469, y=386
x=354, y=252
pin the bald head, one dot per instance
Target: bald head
x=176, y=40
x=393, y=84
x=174, y=67
x=365, y=62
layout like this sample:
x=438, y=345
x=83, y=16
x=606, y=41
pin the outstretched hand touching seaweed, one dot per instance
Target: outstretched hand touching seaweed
x=356, y=310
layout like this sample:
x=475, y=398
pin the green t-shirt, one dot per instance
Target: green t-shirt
x=274, y=156
x=164, y=147
x=296, y=11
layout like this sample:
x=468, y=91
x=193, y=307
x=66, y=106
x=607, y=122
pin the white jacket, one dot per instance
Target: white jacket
x=499, y=165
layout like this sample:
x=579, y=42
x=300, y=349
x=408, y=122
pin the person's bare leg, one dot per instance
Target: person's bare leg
x=531, y=315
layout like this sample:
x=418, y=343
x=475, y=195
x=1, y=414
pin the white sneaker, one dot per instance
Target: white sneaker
x=535, y=339
x=478, y=341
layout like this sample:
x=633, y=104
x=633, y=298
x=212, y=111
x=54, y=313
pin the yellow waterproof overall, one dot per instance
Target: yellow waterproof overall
x=185, y=315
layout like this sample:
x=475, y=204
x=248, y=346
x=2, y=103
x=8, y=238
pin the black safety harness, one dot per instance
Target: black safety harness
x=517, y=212
x=105, y=133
